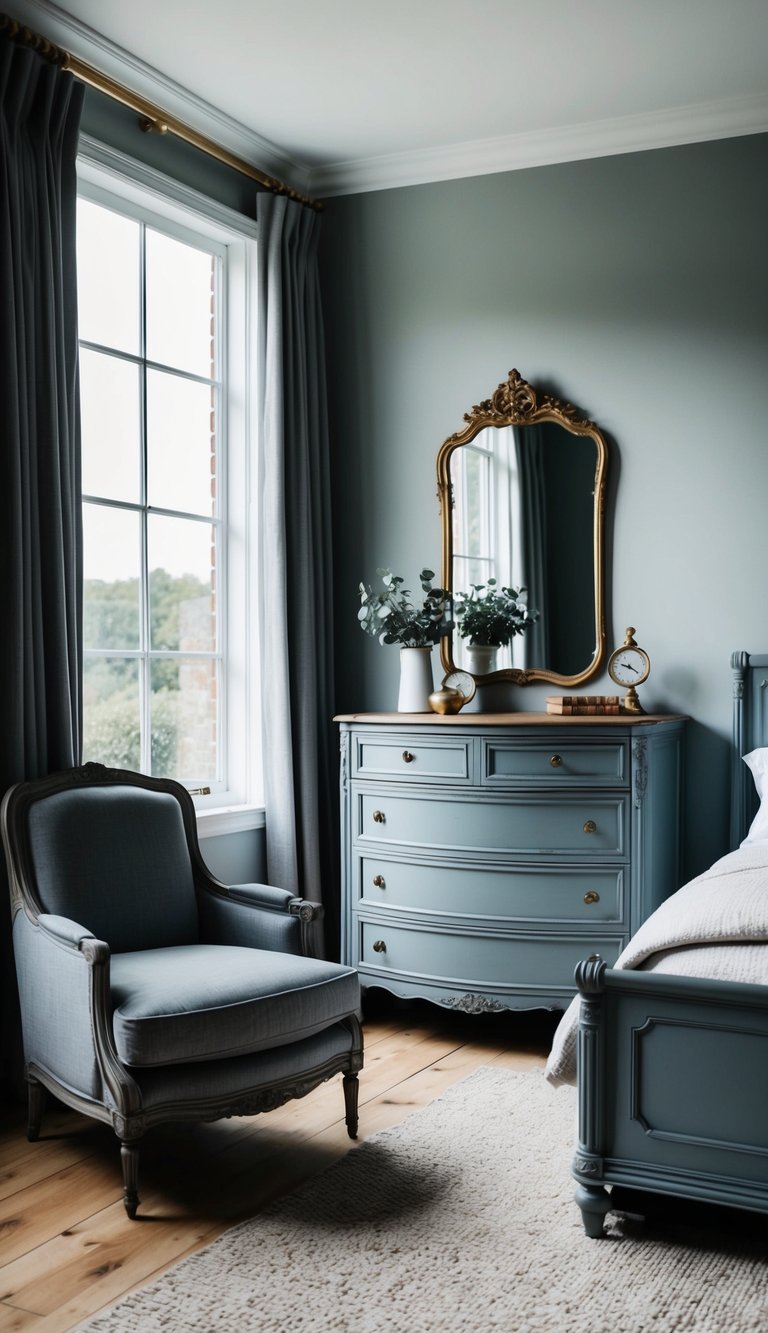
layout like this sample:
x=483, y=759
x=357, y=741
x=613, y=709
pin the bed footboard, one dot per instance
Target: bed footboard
x=673, y=1089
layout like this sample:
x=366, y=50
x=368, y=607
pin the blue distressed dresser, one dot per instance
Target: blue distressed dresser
x=485, y=855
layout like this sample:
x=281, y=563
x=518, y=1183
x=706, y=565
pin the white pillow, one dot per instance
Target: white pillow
x=757, y=763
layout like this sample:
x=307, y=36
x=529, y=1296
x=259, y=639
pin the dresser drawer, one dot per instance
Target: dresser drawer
x=408, y=758
x=589, y=764
x=478, y=960
x=522, y=893
x=580, y=826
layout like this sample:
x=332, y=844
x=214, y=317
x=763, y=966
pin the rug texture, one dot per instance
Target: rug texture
x=461, y=1218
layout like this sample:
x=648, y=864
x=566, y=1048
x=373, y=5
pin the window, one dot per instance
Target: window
x=168, y=628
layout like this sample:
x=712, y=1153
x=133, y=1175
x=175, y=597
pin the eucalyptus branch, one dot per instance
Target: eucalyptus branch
x=393, y=617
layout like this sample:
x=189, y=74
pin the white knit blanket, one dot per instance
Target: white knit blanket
x=715, y=926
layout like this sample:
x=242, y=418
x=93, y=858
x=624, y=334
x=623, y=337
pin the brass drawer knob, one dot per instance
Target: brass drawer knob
x=591, y=897
x=379, y=946
x=379, y=817
x=556, y=760
x=408, y=758
x=379, y=882
x=589, y=827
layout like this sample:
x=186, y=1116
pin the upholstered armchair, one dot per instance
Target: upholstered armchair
x=150, y=991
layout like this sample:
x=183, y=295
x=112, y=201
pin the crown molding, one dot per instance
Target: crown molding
x=515, y=152
x=568, y=143
x=108, y=58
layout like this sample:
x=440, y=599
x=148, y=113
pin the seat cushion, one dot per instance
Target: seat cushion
x=208, y=1001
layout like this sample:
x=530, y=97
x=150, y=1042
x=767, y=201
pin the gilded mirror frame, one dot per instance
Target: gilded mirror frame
x=516, y=403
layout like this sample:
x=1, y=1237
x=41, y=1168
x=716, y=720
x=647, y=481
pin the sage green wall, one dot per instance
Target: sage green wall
x=236, y=858
x=635, y=286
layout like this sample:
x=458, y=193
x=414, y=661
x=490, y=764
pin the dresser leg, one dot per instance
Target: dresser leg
x=594, y=1203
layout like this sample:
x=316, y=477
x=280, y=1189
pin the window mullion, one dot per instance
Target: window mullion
x=144, y=665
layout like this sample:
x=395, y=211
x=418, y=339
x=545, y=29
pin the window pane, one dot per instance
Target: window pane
x=182, y=574
x=111, y=714
x=184, y=719
x=108, y=286
x=179, y=305
x=110, y=399
x=180, y=444
x=111, y=610
x=475, y=514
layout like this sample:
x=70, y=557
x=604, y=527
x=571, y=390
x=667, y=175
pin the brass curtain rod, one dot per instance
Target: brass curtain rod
x=151, y=119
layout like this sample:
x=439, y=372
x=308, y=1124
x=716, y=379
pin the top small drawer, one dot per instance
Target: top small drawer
x=409, y=758
x=572, y=763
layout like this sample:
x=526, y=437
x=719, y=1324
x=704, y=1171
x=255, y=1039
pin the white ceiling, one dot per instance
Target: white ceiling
x=339, y=95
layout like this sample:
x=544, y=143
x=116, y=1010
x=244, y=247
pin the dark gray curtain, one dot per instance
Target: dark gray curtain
x=40, y=524
x=300, y=764
x=533, y=518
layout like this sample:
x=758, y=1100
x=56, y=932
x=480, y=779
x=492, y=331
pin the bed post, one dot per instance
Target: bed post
x=593, y=1199
x=740, y=775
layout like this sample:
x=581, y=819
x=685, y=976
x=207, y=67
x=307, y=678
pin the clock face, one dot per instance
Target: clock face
x=463, y=681
x=629, y=666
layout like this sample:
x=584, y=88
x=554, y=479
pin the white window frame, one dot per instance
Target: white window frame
x=108, y=177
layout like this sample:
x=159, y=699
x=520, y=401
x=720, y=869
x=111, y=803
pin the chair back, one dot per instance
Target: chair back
x=114, y=857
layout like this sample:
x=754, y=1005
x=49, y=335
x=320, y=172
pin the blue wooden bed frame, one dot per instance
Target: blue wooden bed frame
x=673, y=1071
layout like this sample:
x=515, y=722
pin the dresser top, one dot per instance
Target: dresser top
x=513, y=719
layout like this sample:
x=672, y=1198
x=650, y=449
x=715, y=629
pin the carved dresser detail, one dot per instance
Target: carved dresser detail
x=485, y=855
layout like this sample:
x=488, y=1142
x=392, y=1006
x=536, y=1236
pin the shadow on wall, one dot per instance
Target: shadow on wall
x=706, y=801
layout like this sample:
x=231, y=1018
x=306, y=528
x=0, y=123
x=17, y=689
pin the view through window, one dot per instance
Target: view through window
x=150, y=314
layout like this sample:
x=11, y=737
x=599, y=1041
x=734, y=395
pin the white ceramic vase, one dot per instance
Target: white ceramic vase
x=481, y=658
x=416, y=683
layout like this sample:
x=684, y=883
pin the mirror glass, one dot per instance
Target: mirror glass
x=522, y=498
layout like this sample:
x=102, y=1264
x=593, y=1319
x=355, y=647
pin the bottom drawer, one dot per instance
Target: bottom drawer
x=534, y=961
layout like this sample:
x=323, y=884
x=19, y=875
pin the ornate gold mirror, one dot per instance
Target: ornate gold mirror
x=522, y=500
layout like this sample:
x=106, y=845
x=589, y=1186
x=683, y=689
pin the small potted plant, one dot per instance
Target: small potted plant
x=392, y=616
x=489, y=617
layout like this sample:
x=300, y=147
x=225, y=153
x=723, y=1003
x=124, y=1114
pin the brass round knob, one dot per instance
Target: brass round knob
x=408, y=758
x=379, y=946
x=379, y=817
x=556, y=760
x=591, y=897
x=378, y=881
x=590, y=826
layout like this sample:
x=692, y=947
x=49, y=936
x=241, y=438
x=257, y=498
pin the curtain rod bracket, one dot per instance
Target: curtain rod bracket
x=151, y=126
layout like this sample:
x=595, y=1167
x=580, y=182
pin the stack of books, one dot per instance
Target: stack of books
x=575, y=705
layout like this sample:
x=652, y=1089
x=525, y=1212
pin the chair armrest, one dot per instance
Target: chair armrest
x=259, y=916
x=66, y=1008
x=261, y=895
x=62, y=930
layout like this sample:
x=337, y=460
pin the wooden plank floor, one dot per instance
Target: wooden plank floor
x=67, y=1248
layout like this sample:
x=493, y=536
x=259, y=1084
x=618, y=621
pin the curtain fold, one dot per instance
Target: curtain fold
x=296, y=625
x=40, y=522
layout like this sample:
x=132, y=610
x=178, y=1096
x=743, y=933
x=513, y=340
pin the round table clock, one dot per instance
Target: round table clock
x=463, y=681
x=629, y=666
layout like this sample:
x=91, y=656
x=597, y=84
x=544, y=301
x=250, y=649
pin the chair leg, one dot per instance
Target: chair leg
x=35, y=1107
x=129, y=1156
x=351, y=1093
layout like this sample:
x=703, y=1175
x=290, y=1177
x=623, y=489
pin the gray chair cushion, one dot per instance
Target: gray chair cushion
x=206, y=1001
x=116, y=860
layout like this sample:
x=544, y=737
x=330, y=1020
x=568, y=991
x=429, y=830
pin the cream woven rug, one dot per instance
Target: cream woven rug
x=459, y=1219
